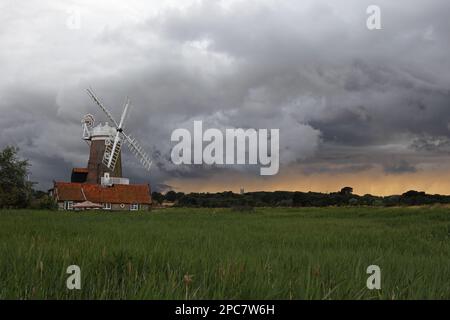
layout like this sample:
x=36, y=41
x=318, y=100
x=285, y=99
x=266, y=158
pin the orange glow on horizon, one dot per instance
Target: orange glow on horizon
x=374, y=181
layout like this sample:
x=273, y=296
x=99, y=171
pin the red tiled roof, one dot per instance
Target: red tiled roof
x=118, y=193
x=80, y=170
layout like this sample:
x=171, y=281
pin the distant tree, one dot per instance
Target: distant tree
x=179, y=195
x=414, y=198
x=157, y=197
x=391, y=201
x=413, y=193
x=346, y=191
x=173, y=196
x=170, y=196
x=15, y=190
x=285, y=203
x=378, y=203
x=353, y=202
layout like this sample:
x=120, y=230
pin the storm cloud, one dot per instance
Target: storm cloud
x=345, y=98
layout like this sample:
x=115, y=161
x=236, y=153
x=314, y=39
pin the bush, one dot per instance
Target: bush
x=378, y=203
x=44, y=203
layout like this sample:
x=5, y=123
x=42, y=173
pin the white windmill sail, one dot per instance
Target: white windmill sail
x=138, y=152
x=112, y=152
x=108, y=114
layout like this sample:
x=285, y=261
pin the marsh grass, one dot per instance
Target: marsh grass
x=308, y=253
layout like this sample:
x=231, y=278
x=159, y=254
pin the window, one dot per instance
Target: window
x=68, y=205
x=107, y=206
x=134, y=206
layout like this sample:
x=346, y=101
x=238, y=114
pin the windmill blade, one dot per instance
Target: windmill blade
x=108, y=114
x=124, y=113
x=137, y=150
x=114, y=153
x=127, y=115
x=111, y=156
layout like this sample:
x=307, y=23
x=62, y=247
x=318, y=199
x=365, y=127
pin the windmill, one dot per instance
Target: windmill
x=106, y=143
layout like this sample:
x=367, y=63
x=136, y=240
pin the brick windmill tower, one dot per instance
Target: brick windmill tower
x=99, y=139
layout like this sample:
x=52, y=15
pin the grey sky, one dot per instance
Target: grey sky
x=340, y=93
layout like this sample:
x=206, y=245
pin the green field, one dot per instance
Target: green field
x=308, y=253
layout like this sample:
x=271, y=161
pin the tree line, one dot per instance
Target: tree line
x=344, y=197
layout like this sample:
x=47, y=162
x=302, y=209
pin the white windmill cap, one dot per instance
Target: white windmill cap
x=102, y=131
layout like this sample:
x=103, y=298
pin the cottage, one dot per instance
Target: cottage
x=115, y=197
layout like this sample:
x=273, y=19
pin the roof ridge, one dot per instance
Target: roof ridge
x=125, y=193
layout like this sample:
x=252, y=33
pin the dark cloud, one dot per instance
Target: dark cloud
x=344, y=98
x=431, y=144
x=337, y=169
x=399, y=167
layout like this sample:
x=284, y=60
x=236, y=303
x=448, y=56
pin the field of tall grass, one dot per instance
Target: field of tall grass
x=308, y=253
